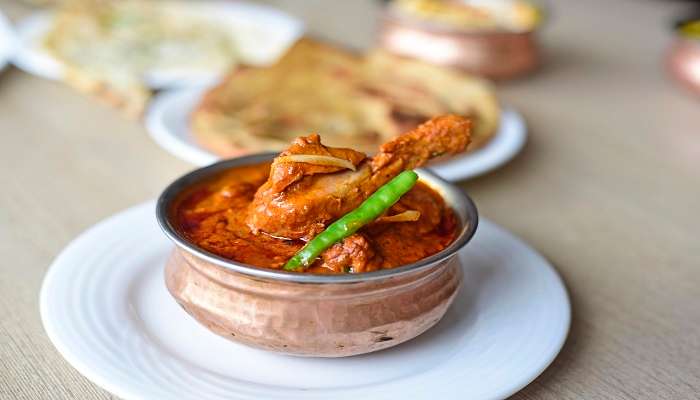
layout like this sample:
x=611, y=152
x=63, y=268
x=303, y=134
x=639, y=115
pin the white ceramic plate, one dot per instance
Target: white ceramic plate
x=7, y=41
x=168, y=122
x=262, y=34
x=105, y=307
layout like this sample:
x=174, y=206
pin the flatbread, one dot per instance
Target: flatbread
x=350, y=100
x=109, y=46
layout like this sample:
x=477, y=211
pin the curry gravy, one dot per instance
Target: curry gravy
x=212, y=215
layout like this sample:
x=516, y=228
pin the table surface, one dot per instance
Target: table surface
x=607, y=188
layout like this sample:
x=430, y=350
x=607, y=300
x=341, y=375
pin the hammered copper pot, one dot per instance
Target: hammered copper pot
x=497, y=54
x=684, y=62
x=310, y=314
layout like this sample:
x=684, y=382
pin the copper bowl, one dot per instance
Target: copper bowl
x=683, y=60
x=311, y=314
x=495, y=54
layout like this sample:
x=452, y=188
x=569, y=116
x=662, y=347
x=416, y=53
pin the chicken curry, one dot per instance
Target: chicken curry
x=320, y=209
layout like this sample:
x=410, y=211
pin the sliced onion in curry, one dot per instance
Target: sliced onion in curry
x=406, y=216
x=315, y=159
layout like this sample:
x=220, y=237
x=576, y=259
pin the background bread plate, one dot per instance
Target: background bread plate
x=261, y=34
x=168, y=123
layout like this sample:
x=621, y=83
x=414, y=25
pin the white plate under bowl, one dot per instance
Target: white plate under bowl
x=262, y=33
x=168, y=122
x=105, y=307
x=8, y=41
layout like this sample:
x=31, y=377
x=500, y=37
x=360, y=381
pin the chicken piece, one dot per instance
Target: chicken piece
x=303, y=208
x=283, y=174
x=353, y=254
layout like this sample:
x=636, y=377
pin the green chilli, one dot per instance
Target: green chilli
x=380, y=201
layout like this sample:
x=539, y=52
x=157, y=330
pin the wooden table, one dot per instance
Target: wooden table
x=607, y=188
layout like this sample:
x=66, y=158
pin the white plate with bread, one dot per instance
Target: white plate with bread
x=168, y=121
x=259, y=33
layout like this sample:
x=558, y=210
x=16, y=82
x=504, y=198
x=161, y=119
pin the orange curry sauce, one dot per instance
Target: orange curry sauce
x=212, y=215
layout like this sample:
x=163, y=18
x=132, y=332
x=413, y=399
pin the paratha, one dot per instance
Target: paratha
x=352, y=100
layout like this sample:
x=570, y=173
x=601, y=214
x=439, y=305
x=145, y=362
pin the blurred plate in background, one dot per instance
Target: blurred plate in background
x=7, y=41
x=168, y=122
x=261, y=33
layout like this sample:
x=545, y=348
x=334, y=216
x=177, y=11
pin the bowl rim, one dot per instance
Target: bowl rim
x=391, y=13
x=172, y=191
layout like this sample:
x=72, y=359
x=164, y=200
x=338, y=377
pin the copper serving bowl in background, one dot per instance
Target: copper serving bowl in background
x=310, y=314
x=495, y=54
x=683, y=59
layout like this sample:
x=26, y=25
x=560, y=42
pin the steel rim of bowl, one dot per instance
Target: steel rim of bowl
x=470, y=222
